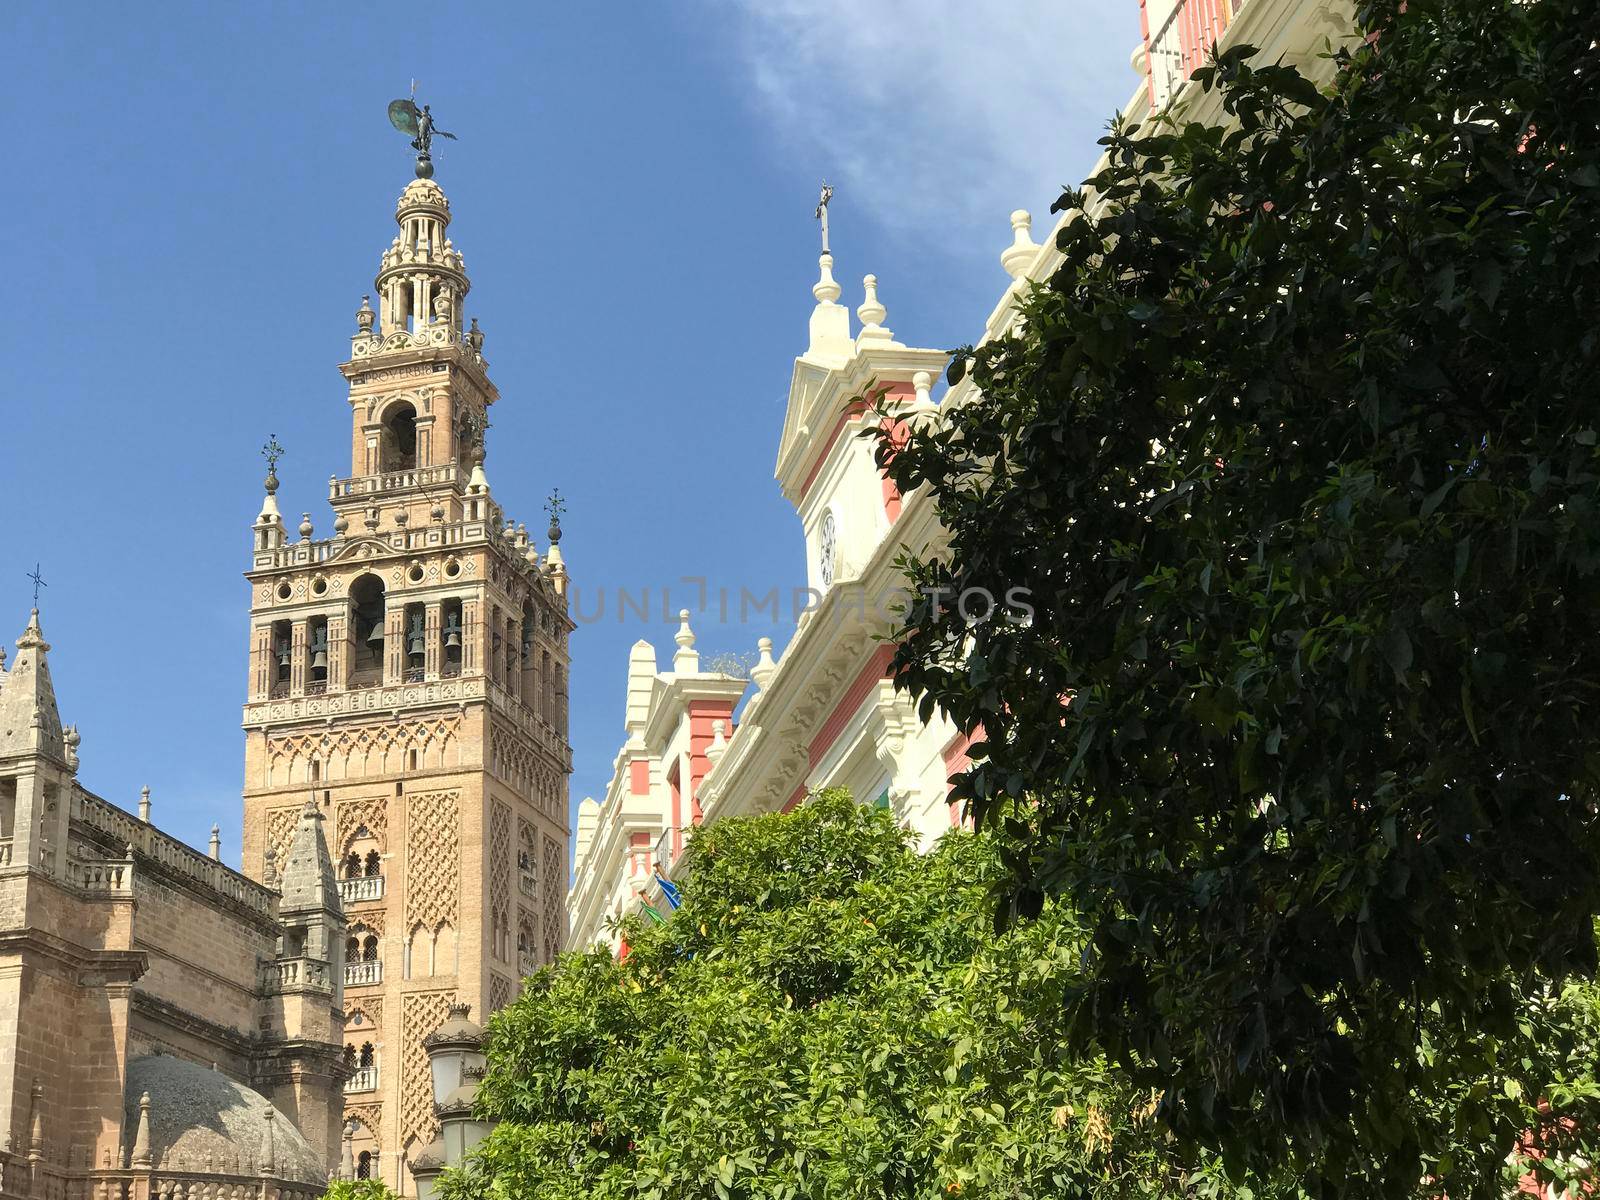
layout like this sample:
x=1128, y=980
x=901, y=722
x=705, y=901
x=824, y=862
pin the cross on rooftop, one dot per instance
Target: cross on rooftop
x=38, y=582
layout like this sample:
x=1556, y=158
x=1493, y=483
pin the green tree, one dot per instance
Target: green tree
x=358, y=1189
x=828, y=1015
x=1296, y=453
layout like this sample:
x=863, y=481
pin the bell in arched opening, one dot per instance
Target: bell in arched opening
x=416, y=644
x=452, y=632
x=375, y=637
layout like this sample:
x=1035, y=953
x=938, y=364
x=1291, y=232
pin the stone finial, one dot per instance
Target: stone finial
x=2, y=658
x=36, y=1121
x=765, y=668
x=269, y=1149
x=1018, y=257
x=719, y=743
x=141, y=1139
x=872, y=312
x=922, y=384
x=71, y=738
x=475, y=338
x=830, y=320
x=687, y=660
x=305, y=527
x=341, y=525
x=365, y=316
x=144, y=804
x=370, y=520
x=216, y=855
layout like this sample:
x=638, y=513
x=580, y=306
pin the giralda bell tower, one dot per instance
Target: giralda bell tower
x=410, y=673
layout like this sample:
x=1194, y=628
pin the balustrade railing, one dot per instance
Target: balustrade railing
x=361, y=888
x=1182, y=42
x=363, y=974
x=364, y=1080
x=300, y=972
x=391, y=481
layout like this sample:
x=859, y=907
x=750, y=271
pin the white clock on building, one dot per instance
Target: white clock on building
x=827, y=540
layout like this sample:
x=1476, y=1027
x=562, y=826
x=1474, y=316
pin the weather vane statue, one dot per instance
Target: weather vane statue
x=417, y=124
x=822, y=214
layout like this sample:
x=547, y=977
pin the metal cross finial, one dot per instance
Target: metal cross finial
x=822, y=213
x=555, y=506
x=272, y=452
x=38, y=582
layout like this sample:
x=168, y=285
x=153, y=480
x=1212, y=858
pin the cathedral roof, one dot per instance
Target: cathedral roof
x=29, y=720
x=307, y=881
x=200, y=1116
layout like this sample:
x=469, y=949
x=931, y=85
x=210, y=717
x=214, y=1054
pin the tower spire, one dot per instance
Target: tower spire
x=29, y=720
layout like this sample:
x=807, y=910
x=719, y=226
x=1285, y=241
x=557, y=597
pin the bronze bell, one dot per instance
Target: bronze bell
x=416, y=644
x=283, y=653
x=375, y=638
x=319, y=658
x=452, y=635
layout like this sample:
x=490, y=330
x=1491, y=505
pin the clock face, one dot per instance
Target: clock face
x=827, y=538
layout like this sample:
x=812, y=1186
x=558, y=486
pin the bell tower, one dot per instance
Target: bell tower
x=408, y=676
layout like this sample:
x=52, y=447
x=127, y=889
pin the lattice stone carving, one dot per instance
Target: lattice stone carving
x=350, y=752
x=501, y=992
x=433, y=859
x=280, y=832
x=421, y=1014
x=555, y=913
x=371, y=813
x=371, y=920
x=499, y=860
x=370, y=1115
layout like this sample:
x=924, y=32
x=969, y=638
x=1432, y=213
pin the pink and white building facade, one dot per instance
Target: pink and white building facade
x=702, y=745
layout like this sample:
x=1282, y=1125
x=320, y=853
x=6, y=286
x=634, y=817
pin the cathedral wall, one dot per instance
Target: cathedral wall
x=204, y=959
x=63, y=1022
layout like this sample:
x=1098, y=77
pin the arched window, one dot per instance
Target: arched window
x=367, y=604
x=374, y=863
x=369, y=949
x=352, y=866
x=399, y=439
x=350, y=1057
x=352, y=950
x=364, y=1165
x=367, y=1054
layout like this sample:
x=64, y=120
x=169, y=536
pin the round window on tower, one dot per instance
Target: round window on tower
x=415, y=573
x=284, y=590
x=827, y=546
x=452, y=568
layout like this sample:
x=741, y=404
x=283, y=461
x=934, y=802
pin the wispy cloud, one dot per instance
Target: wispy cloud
x=939, y=116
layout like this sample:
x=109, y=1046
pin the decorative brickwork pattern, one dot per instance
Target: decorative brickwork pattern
x=500, y=862
x=555, y=913
x=433, y=859
x=370, y=1008
x=355, y=815
x=501, y=992
x=370, y=1116
x=280, y=829
x=423, y=1013
x=350, y=753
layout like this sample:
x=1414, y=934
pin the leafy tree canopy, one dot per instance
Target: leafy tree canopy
x=828, y=1015
x=1297, y=454
x=358, y=1189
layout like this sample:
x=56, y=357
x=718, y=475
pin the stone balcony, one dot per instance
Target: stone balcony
x=363, y=974
x=292, y=974
x=393, y=481
x=361, y=889
x=365, y=1079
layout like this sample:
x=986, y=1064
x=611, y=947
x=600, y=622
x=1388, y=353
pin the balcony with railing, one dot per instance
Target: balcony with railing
x=361, y=889
x=1178, y=36
x=365, y=1079
x=363, y=974
x=664, y=857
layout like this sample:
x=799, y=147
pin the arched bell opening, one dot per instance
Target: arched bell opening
x=452, y=637
x=398, y=441
x=367, y=603
x=416, y=644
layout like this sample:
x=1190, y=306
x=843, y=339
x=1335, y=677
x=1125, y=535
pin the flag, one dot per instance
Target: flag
x=653, y=914
x=670, y=891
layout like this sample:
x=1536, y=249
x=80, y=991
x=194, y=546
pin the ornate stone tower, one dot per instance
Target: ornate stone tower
x=409, y=674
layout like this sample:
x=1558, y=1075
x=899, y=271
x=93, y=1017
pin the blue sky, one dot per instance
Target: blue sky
x=197, y=199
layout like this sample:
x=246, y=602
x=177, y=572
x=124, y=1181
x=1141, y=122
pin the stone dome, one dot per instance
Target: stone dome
x=201, y=1119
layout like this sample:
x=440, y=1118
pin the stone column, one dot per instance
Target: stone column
x=297, y=658
x=433, y=654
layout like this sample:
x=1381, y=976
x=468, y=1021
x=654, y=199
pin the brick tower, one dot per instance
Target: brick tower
x=409, y=674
